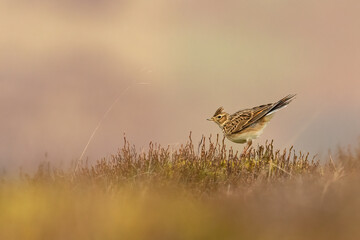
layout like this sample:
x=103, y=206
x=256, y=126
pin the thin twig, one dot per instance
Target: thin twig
x=280, y=168
x=100, y=122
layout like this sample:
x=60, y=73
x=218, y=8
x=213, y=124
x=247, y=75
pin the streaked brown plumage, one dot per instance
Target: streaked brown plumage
x=248, y=124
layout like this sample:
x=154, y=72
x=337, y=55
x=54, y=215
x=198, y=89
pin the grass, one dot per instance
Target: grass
x=198, y=191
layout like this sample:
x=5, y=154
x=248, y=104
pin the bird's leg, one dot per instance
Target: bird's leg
x=249, y=142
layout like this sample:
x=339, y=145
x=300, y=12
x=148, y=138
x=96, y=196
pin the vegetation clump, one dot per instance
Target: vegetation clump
x=209, y=166
x=197, y=191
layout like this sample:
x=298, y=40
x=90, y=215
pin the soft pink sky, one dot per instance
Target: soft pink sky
x=63, y=64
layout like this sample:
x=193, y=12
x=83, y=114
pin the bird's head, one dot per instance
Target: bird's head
x=220, y=117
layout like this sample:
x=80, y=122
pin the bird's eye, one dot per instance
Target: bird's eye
x=219, y=117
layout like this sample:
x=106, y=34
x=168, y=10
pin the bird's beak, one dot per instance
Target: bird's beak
x=210, y=119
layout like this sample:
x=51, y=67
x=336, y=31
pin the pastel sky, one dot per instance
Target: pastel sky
x=62, y=64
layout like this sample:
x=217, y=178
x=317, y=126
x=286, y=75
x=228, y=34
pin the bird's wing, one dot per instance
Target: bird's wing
x=245, y=118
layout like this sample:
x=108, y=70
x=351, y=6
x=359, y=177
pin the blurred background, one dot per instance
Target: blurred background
x=63, y=63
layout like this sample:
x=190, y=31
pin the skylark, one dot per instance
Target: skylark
x=248, y=124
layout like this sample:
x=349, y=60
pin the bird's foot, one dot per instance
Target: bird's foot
x=246, y=148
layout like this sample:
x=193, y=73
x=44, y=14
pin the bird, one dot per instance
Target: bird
x=245, y=125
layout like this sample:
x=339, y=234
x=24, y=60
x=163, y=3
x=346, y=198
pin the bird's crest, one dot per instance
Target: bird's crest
x=218, y=111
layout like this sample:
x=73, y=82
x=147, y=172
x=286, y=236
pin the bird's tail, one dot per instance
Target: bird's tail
x=281, y=103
